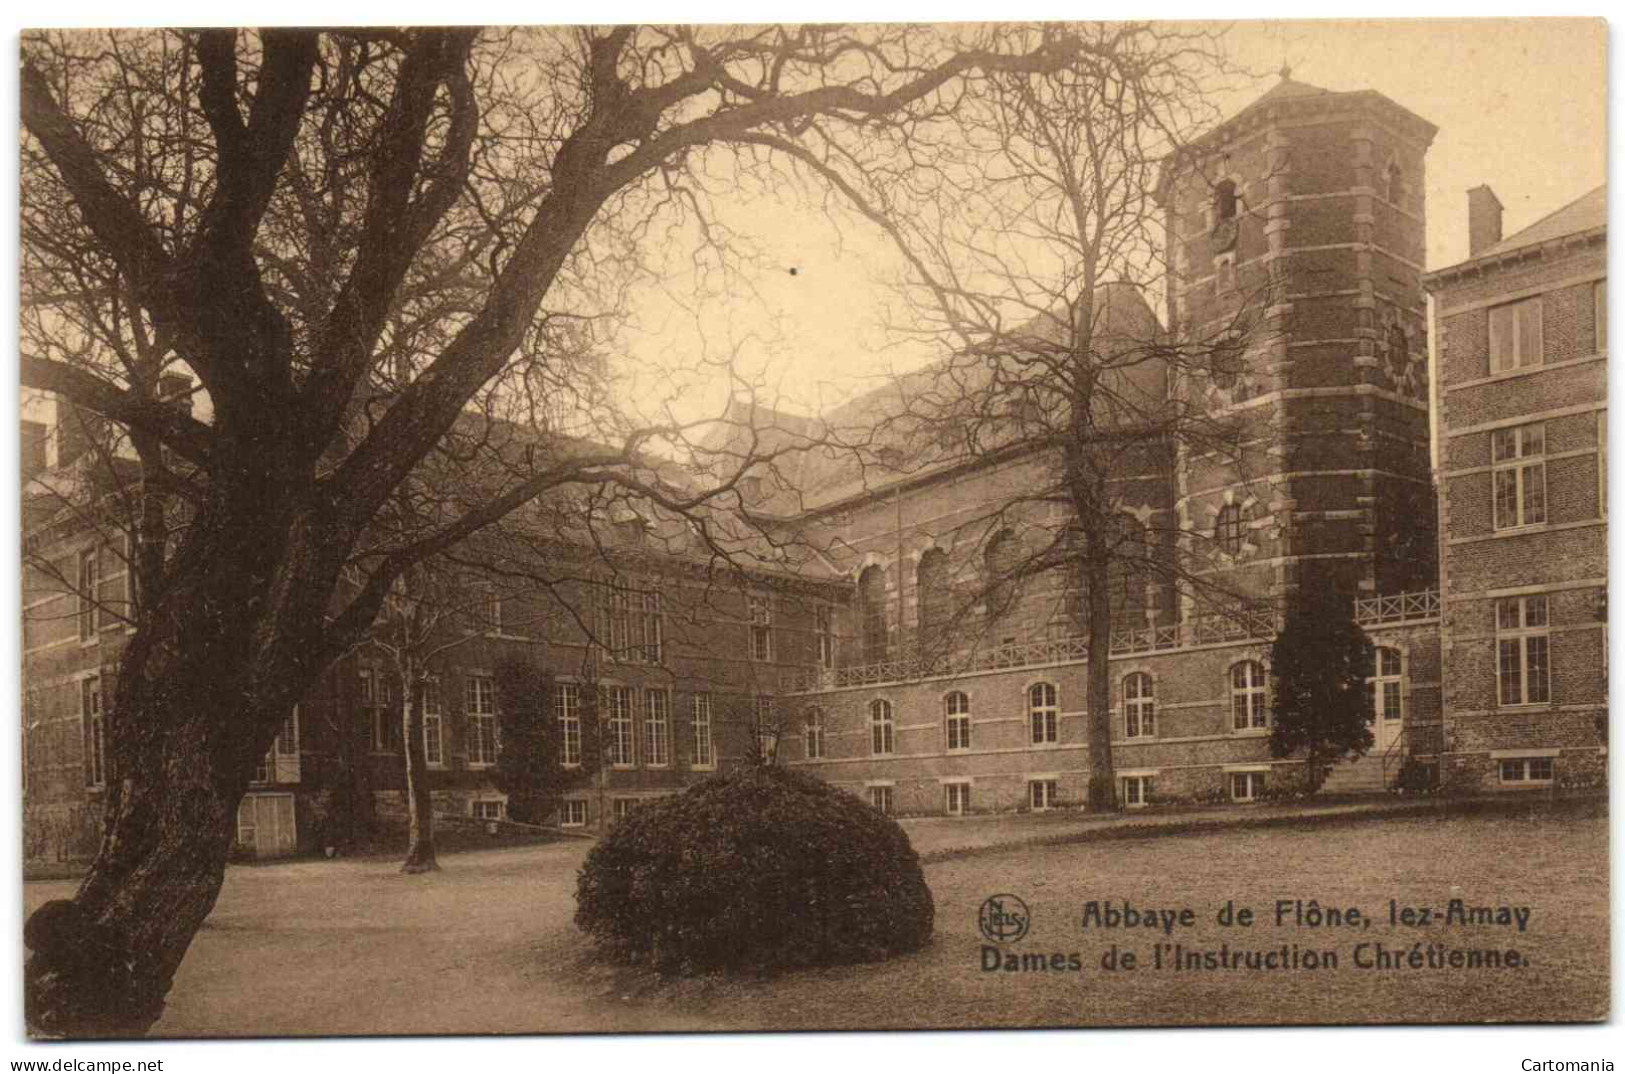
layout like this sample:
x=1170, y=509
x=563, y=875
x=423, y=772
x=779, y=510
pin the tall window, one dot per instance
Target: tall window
x=1520, y=475
x=649, y=632
x=567, y=703
x=761, y=629
x=1384, y=686
x=1515, y=335
x=700, y=713
x=815, y=734
x=872, y=601
x=1043, y=712
x=881, y=742
x=958, y=706
x=1227, y=529
x=656, y=727
x=375, y=699
x=1396, y=185
x=824, y=625
x=1249, y=709
x=1127, y=573
x=932, y=593
x=90, y=583
x=91, y=719
x=287, y=739
x=958, y=798
x=490, y=613
x=1139, y=707
x=434, y=728
x=620, y=727
x=481, y=706
x=614, y=619
x=881, y=798
x=1522, y=638
x=767, y=731
x=1001, y=562
x=1224, y=201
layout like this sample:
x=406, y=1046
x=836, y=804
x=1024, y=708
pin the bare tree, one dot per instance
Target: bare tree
x=1032, y=224
x=279, y=213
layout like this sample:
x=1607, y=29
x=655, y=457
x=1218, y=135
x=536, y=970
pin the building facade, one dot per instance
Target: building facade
x=890, y=669
x=1522, y=340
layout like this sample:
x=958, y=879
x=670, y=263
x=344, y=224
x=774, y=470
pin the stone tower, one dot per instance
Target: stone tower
x=1298, y=235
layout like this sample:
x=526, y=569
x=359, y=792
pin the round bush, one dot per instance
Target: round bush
x=763, y=868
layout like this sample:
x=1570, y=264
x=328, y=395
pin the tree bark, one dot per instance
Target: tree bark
x=219, y=660
x=1102, y=773
x=420, y=855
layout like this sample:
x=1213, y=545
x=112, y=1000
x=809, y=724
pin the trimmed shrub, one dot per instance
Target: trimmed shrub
x=762, y=868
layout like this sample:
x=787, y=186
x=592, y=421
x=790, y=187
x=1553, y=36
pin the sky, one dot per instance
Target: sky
x=1520, y=105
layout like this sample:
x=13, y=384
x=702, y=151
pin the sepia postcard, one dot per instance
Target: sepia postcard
x=717, y=528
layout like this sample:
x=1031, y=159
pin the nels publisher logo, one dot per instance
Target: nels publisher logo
x=1004, y=919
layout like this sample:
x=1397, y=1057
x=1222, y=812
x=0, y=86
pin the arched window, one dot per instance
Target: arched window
x=882, y=743
x=1396, y=185
x=1043, y=712
x=1224, y=201
x=1001, y=562
x=1384, y=686
x=872, y=602
x=958, y=708
x=1249, y=708
x=932, y=592
x=815, y=734
x=1128, y=571
x=1139, y=706
x=1227, y=530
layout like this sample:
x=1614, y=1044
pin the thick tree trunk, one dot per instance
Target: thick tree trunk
x=202, y=689
x=1102, y=773
x=420, y=856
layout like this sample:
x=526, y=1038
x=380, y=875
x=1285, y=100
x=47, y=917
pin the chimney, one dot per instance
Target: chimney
x=1483, y=219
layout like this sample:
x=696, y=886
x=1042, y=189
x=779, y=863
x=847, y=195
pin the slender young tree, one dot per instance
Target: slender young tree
x=282, y=212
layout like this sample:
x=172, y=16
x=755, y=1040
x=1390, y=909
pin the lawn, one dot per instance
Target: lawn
x=486, y=945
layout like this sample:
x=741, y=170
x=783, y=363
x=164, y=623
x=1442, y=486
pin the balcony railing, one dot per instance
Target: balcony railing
x=1399, y=608
x=1037, y=653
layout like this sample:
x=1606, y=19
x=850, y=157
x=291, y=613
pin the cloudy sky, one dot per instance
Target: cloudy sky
x=1520, y=104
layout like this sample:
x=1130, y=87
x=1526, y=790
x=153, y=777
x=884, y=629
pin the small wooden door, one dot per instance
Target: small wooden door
x=265, y=822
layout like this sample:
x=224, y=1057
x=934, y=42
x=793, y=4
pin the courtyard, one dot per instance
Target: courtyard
x=487, y=944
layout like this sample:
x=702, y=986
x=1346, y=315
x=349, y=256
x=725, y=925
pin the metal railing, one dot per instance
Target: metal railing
x=1399, y=608
x=1036, y=653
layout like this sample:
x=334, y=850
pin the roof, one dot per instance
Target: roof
x=1585, y=213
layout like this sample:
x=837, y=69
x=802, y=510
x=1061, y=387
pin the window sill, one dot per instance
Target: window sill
x=1527, y=785
x=1142, y=738
x=568, y=766
x=1513, y=531
x=1250, y=732
x=1525, y=706
x=481, y=764
x=702, y=767
x=622, y=767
